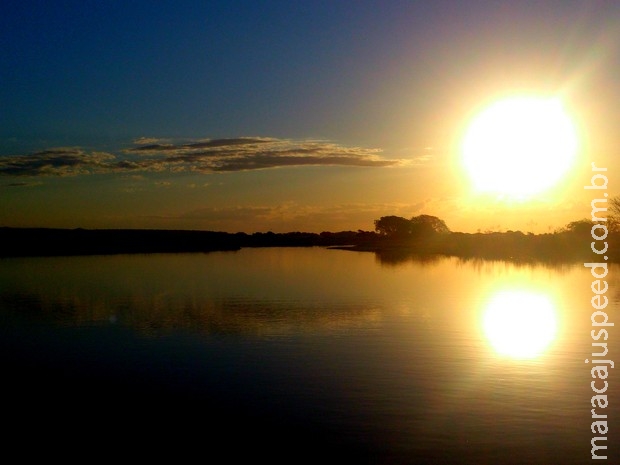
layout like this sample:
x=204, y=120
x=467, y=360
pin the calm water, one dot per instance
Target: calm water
x=301, y=354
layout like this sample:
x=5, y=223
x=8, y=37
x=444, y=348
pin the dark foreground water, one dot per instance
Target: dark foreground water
x=300, y=355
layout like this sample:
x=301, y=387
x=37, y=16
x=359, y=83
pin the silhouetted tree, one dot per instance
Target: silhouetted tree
x=393, y=226
x=613, y=214
x=419, y=227
x=424, y=225
x=579, y=227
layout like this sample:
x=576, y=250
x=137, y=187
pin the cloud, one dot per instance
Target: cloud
x=56, y=162
x=149, y=140
x=22, y=184
x=202, y=156
x=160, y=145
x=252, y=153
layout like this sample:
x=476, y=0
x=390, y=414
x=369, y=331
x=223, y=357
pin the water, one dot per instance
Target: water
x=299, y=355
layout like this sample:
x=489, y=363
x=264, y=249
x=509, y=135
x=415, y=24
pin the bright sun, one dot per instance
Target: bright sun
x=519, y=147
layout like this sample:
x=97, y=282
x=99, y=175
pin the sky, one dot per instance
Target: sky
x=284, y=116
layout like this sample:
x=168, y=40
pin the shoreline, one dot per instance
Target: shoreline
x=559, y=247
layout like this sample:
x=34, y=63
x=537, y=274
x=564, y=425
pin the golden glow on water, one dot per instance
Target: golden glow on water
x=519, y=147
x=520, y=324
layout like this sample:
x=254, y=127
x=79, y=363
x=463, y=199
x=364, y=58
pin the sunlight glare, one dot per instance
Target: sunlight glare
x=520, y=324
x=519, y=147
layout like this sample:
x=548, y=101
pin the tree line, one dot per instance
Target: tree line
x=421, y=235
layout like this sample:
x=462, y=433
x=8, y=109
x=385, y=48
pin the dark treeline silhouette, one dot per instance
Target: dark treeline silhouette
x=394, y=239
x=400, y=239
x=51, y=241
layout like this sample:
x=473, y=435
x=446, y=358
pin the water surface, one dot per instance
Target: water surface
x=302, y=353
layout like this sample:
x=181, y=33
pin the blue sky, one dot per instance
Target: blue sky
x=254, y=116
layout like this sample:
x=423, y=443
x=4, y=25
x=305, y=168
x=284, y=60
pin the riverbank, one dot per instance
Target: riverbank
x=511, y=245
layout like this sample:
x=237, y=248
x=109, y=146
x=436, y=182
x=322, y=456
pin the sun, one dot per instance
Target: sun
x=519, y=147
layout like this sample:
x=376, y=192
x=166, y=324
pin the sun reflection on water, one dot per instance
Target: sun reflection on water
x=520, y=324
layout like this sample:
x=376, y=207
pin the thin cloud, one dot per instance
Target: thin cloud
x=155, y=146
x=22, y=184
x=202, y=156
x=149, y=140
x=252, y=153
x=56, y=162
